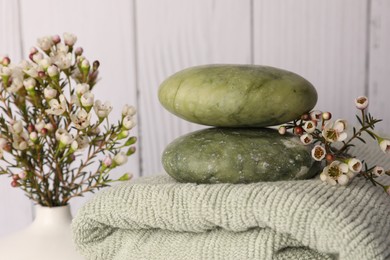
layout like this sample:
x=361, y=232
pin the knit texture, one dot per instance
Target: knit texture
x=159, y=218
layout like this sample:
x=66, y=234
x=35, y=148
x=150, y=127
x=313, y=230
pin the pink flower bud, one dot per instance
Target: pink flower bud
x=22, y=175
x=361, y=102
x=33, y=51
x=315, y=115
x=6, y=61
x=56, y=39
x=79, y=51
x=326, y=115
x=107, y=161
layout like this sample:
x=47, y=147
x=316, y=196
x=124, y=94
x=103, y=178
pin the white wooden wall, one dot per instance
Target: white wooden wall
x=341, y=46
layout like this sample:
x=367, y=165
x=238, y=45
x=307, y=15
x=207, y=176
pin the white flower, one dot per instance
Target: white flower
x=17, y=127
x=82, y=141
x=62, y=48
x=361, y=102
x=128, y=122
x=45, y=63
x=128, y=110
x=385, y=145
x=49, y=92
x=37, y=57
x=57, y=107
x=335, y=173
x=3, y=142
x=29, y=83
x=120, y=158
x=378, y=171
x=49, y=127
x=102, y=110
x=20, y=144
x=318, y=153
x=81, y=119
x=69, y=39
x=59, y=133
x=335, y=132
x=75, y=100
x=21, y=141
x=87, y=99
x=62, y=60
x=74, y=146
x=355, y=165
x=52, y=71
x=315, y=115
x=343, y=180
x=306, y=139
x=81, y=89
x=17, y=84
x=5, y=71
x=39, y=125
x=66, y=139
x=32, y=71
x=309, y=126
x=45, y=43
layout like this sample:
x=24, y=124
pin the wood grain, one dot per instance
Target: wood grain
x=173, y=35
x=15, y=208
x=379, y=65
x=324, y=41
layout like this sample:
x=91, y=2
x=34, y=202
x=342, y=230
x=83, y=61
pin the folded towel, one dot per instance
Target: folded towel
x=159, y=218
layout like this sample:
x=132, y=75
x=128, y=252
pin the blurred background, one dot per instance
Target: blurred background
x=341, y=46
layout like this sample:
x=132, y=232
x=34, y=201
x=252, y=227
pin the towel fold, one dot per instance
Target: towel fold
x=159, y=218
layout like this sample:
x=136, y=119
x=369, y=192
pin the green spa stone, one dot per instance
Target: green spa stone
x=238, y=155
x=237, y=95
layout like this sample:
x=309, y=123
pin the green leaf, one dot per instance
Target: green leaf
x=130, y=151
x=125, y=177
x=130, y=141
x=371, y=135
x=361, y=139
x=360, y=121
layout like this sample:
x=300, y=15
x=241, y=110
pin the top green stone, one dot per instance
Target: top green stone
x=237, y=95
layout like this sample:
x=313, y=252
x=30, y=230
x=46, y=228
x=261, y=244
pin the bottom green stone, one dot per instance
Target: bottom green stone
x=229, y=155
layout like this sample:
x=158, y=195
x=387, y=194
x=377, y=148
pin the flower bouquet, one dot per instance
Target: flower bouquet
x=53, y=131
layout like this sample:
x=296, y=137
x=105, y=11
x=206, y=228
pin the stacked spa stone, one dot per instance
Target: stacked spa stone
x=240, y=102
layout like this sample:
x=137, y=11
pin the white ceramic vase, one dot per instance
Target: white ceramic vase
x=47, y=238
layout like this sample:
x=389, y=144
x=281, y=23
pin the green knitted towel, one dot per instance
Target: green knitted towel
x=158, y=218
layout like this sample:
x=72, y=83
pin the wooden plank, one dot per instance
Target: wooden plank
x=105, y=31
x=173, y=35
x=379, y=86
x=324, y=41
x=15, y=208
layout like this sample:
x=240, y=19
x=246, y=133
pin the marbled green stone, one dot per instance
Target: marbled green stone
x=238, y=155
x=237, y=95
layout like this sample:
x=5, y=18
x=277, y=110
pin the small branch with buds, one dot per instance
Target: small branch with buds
x=340, y=167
